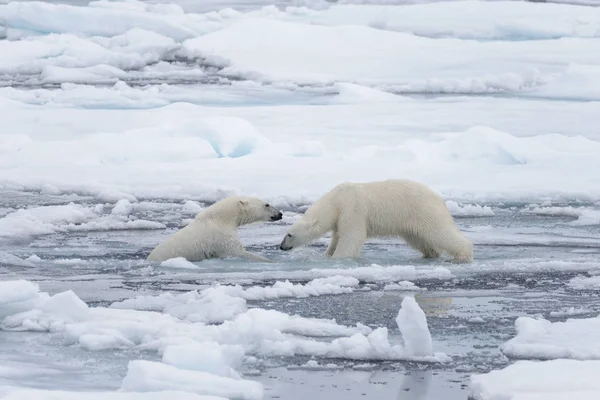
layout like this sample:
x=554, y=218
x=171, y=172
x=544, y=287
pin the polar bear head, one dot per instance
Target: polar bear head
x=299, y=234
x=253, y=209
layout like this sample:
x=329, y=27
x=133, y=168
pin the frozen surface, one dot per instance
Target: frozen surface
x=64, y=395
x=152, y=96
x=542, y=339
x=532, y=380
x=123, y=119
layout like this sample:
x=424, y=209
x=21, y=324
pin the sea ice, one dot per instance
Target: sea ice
x=145, y=376
x=585, y=283
x=37, y=394
x=535, y=380
x=542, y=339
x=257, y=331
x=413, y=324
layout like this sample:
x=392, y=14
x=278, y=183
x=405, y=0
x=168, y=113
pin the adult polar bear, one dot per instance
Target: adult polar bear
x=390, y=208
x=213, y=233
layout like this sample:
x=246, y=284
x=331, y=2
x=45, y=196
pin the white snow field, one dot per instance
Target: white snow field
x=121, y=120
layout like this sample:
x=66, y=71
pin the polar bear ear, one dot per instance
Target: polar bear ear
x=244, y=203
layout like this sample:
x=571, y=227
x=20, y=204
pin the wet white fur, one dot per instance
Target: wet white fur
x=214, y=231
x=354, y=212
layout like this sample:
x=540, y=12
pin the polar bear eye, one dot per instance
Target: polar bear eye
x=289, y=235
x=267, y=205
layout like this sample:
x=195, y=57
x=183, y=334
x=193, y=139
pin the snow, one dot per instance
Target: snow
x=221, y=360
x=585, y=216
x=65, y=395
x=571, y=311
x=6, y=258
x=145, y=375
x=121, y=120
x=413, y=324
x=542, y=339
x=257, y=331
x=533, y=380
x=401, y=286
x=73, y=217
x=468, y=210
x=582, y=282
x=179, y=263
x=154, y=140
x=18, y=296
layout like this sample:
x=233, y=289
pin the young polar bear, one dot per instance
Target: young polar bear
x=213, y=233
x=390, y=208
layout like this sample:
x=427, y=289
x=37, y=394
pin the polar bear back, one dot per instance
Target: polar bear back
x=387, y=208
x=213, y=233
x=202, y=239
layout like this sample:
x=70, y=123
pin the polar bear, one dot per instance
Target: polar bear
x=390, y=208
x=213, y=233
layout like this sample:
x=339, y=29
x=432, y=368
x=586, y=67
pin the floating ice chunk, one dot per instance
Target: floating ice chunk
x=210, y=306
x=191, y=207
x=7, y=258
x=316, y=287
x=49, y=314
x=221, y=303
x=401, y=286
x=585, y=283
x=256, y=331
x=542, y=339
x=34, y=258
x=349, y=93
x=179, y=263
x=37, y=394
x=378, y=273
x=99, y=342
x=468, y=210
x=412, y=322
x=49, y=189
x=112, y=224
x=154, y=376
x=588, y=217
x=571, y=311
x=211, y=357
x=42, y=219
x=123, y=207
x=18, y=296
x=534, y=380
x=67, y=218
x=585, y=216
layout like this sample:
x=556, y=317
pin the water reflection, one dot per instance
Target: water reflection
x=415, y=385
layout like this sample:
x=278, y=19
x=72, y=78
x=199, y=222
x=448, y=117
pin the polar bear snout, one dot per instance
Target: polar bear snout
x=277, y=217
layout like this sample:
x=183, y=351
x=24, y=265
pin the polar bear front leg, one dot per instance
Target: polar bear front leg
x=254, y=257
x=422, y=246
x=351, y=237
x=232, y=247
x=333, y=244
